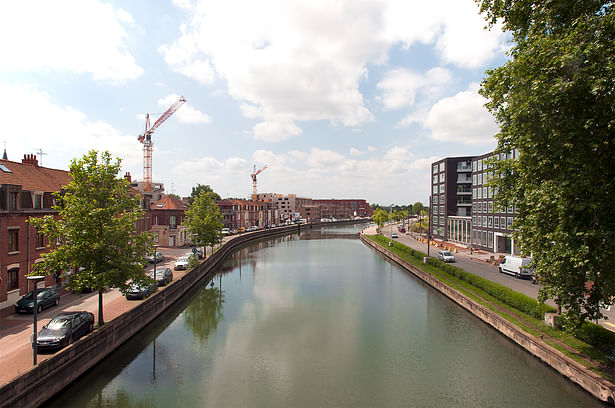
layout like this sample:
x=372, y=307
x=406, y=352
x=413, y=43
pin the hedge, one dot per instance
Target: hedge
x=502, y=293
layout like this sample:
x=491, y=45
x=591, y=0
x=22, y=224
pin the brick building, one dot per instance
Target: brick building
x=167, y=217
x=238, y=214
x=25, y=192
x=344, y=208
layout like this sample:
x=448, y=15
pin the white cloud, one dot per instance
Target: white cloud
x=80, y=36
x=186, y=113
x=399, y=87
x=460, y=118
x=61, y=131
x=355, y=152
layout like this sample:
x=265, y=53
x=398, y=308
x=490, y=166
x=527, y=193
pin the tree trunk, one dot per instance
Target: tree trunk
x=101, y=321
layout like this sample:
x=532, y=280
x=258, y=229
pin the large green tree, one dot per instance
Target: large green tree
x=95, y=230
x=196, y=191
x=555, y=103
x=204, y=219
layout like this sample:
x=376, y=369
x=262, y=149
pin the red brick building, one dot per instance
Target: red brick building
x=238, y=214
x=344, y=208
x=25, y=192
x=167, y=217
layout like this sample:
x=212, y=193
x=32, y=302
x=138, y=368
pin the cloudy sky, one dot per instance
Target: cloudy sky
x=341, y=99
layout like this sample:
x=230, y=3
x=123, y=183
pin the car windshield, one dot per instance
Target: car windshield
x=59, y=323
x=183, y=259
x=446, y=253
x=39, y=295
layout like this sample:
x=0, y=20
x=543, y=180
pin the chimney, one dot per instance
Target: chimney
x=30, y=160
x=128, y=177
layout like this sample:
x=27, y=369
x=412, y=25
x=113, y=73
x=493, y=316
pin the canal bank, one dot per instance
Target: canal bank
x=567, y=367
x=50, y=376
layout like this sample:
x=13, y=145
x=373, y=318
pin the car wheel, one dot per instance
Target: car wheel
x=517, y=275
x=57, y=301
x=500, y=269
x=39, y=308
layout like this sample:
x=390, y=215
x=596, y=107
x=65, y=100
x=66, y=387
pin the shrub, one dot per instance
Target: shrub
x=599, y=337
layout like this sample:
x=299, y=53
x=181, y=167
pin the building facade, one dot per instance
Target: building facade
x=462, y=208
x=167, y=217
x=344, y=208
x=242, y=214
x=26, y=191
x=451, y=199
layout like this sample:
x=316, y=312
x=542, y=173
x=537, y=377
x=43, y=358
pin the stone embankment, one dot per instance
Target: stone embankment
x=49, y=377
x=575, y=372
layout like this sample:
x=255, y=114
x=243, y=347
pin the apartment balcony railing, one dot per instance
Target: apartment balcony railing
x=463, y=179
x=464, y=190
x=463, y=167
x=464, y=202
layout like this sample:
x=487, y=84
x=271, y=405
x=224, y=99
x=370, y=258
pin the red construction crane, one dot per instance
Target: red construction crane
x=254, y=174
x=148, y=145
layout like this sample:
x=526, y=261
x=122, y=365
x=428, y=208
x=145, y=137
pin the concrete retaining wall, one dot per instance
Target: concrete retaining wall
x=575, y=372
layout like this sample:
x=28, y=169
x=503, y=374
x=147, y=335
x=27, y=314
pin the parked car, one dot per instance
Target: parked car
x=64, y=329
x=141, y=291
x=159, y=257
x=225, y=231
x=196, y=252
x=181, y=263
x=394, y=235
x=446, y=256
x=517, y=266
x=162, y=276
x=45, y=297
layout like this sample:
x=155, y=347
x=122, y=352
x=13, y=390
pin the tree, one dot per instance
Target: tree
x=95, y=229
x=380, y=217
x=204, y=219
x=417, y=208
x=196, y=191
x=555, y=103
x=175, y=195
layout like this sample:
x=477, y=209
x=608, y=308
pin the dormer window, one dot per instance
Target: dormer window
x=13, y=197
x=38, y=201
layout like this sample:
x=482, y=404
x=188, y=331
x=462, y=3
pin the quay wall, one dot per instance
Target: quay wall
x=50, y=376
x=575, y=372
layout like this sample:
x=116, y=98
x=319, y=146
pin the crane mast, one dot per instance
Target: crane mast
x=148, y=145
x=253, y=175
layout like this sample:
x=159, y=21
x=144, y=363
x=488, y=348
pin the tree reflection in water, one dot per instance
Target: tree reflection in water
x=204, y=313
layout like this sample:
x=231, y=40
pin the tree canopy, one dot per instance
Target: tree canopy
x=204, y=219
x=196, y=191
x=95, y=229
x=555, y=103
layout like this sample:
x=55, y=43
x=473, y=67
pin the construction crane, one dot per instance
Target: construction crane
x=253, y=175
x=146, y=139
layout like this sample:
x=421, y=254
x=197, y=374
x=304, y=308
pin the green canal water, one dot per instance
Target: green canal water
x=318, y=320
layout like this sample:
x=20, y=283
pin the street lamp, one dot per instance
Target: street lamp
x=35, y=280
x=156, y=246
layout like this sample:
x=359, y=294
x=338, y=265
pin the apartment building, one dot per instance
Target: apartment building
x=451, y=199
x=462, y=208
x=238, y=214
x=167, y=216
x=344, y=208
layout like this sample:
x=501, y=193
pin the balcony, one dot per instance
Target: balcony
x=463, y=179
x=463, y=167
x=462, y=201
x=464, y=190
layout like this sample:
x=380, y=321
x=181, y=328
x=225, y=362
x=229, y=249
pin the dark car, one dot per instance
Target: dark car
x=64, y=329
x=141, y=291
x=163, y=276
x=45, y=297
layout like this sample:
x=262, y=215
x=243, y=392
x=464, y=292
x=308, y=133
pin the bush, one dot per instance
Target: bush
x=599, y=337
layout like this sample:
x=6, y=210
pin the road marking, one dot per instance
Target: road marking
x=610, y=324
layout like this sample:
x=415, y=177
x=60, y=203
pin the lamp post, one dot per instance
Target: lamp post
x=35, y=279
x=156, y=246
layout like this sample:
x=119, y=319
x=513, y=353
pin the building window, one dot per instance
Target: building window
x=490, y=222
x=40, y=240
x=480, y=165
x=434, y=190
x=434, y=171
x=435, y=179
x=12, y=279
x=38, y=201
x=473, y=179
x=480, y=193
x=496, y=223
x=13, y=240
x=473, y=194
x=442, y=177
x=503, y=222
x=484, y=220
x=490, y=207
x=474, y=220
x=13, y=200
x=484, y=240
x=510, y=222
x=485, y=207
x=442, y=188
x=442, y=166
x=480, y=178
x=484, y=192
x=435, y=199
x=509, y=210
x=474, y=166
x=441, y=209
x=490, y=240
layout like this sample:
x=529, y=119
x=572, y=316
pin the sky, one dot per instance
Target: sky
x=340, y=99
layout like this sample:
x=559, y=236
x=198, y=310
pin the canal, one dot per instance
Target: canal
x=318, y=320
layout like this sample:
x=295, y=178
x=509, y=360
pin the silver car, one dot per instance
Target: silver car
x=446, y=256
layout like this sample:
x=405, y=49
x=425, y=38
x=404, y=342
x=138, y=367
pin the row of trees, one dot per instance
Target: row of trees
x=94, y=232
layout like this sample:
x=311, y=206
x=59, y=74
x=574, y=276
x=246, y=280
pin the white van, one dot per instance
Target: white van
x=514, y=265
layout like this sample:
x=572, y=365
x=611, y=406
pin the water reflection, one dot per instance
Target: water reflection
x=204, y=313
